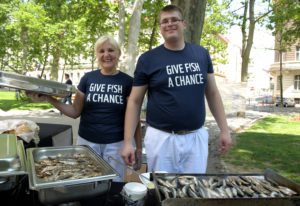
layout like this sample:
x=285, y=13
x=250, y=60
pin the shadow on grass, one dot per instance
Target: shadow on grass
x=7, y=105
x=264, y=150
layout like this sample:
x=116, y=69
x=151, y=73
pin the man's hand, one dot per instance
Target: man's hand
x=225, y=142
x=127, y=154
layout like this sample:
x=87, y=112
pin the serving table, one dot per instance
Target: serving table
x=23, y=196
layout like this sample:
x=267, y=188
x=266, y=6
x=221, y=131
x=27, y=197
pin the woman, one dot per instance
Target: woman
x=101, y=102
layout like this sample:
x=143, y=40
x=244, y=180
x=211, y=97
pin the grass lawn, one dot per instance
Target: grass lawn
x=273, y=142
x=8, y=102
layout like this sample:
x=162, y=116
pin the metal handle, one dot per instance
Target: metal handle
x=127, y=166
x=149, y=185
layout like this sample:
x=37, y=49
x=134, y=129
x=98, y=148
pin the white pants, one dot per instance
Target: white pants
x=106, y=150
x=176, y=153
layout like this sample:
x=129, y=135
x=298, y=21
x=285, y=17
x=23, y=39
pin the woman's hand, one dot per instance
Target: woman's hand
x=37, y=97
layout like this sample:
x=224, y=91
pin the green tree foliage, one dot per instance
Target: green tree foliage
x=247, y=15
x=27, y=33
x=5, y=35
x=284, y=21
x=53, y=34
x=149, y=34
x=41, y=32
x=217, y=22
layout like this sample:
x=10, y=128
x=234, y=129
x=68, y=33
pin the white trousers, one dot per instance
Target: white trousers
x=176, y=153
x=106, y=150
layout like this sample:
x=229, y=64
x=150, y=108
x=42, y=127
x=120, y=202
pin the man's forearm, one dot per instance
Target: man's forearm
x=131, y=121
x=138, y=136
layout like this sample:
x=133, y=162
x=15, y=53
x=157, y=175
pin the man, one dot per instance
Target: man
x=68, y=99
x=178, y=76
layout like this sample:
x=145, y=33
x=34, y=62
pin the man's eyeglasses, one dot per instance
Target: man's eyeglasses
x=173, y=21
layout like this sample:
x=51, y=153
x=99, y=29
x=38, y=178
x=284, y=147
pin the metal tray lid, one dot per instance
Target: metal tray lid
x=12, y=156
x=36, y=154
x=43, y=86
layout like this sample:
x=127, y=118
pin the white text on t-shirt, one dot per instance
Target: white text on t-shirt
x=191, y=75
x=105, y=93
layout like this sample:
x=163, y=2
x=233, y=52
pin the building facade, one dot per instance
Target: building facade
x=290, y=73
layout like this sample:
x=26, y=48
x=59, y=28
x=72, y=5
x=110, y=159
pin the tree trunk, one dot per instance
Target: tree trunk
x=280, y=67
x=63, y=73
x=55, y=64
x=2, y=64
x=24, y=41
x=45, y=59
x=247, y=39
x=153, y=33
x=244, y=26
x=93, y=62
x=280, y=78
x=134, y=29
x=194, y=22
x=121, y=35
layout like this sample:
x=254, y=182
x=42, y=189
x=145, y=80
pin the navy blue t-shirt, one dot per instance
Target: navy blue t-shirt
x=102, y=117
x=176, y=85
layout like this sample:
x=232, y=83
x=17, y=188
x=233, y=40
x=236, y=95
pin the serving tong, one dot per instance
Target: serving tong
x=149, y=184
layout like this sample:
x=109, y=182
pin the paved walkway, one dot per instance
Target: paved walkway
x=236, y=124
x=53, y=116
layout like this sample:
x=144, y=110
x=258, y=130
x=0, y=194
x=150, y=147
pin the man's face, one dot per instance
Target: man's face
x=171, y=26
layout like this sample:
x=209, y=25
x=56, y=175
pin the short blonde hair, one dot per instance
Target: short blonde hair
x=109, y=39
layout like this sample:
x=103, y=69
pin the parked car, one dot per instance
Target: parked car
x=265, y=100
x=287, y=102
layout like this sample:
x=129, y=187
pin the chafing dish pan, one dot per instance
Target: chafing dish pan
x=268, y=175
x=8, y=146
x=12, y=161
x=68, y=190
x=12, y=156
x=43, y=86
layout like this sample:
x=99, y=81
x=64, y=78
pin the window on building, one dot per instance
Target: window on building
x=297, y=82
x=297, y=53
x=278, y=83
x=277, y=56
x=283, y=56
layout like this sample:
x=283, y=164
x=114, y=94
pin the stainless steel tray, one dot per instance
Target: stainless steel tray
x=269, y=175
x=43, y=86
x=12, y=157
x=36, y=154
x=66, y=194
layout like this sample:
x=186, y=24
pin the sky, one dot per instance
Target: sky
x=262, y=54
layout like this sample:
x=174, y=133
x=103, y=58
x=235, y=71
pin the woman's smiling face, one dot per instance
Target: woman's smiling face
x=107, y=56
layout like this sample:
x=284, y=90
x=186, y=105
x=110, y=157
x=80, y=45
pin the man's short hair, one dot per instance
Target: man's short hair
x=67, y=75
x=170, y=8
